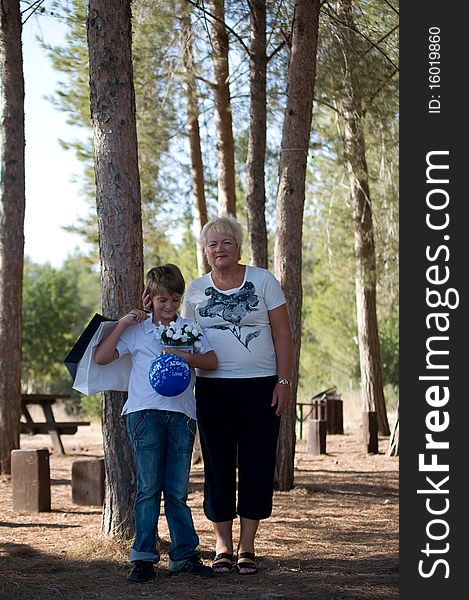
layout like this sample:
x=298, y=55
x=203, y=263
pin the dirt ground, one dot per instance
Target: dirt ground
x=333, y=537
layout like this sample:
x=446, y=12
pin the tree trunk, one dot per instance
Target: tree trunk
x=197, y=165
x=12, y=206
x=365, y=279
x=255, y=166
x=118, y=207
x=290, y=204
x=393, y=446
x=223, y=120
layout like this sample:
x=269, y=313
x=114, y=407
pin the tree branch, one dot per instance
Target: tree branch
x=355, y=30
x=32, y=8
x=196, y=4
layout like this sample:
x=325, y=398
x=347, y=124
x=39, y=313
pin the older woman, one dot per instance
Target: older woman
x=243, y=314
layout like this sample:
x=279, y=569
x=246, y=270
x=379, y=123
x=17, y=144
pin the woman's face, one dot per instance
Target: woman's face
x=222, y=250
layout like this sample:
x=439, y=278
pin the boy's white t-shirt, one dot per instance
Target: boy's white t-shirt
x=142, y=342
x=236, y=322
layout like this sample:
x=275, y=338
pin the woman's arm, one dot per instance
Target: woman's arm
x=207, y=361
x=281, y=335
x=106, y=351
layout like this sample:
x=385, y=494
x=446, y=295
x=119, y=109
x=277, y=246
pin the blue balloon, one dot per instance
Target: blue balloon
x=169, y=375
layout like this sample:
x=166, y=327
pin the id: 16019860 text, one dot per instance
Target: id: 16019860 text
x=434, y=104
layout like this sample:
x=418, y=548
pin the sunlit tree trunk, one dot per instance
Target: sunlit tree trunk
x=290, y=204
x=393, y=445
x=365, y=259
x=118, y=208
x=12, y=207
x=223, y=120
x=197, y=165
x=255, y=165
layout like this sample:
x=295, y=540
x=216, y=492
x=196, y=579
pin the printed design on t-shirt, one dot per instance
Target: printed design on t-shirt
x=232, y=308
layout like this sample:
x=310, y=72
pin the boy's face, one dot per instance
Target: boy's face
x=165, y=306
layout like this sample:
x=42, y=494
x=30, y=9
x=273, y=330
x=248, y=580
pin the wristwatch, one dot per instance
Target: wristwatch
x=284, y=381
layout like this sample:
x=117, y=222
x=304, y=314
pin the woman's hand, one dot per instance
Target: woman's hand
x=281, y=398
x=146, y=301
x=174, y=350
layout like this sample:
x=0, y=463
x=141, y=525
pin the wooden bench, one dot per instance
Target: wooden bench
x=50, y=425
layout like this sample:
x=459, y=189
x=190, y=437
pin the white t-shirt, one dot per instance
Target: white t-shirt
x=236, y=322
x=142, y=342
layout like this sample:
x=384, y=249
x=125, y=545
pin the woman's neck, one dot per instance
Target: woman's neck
x=226, y=279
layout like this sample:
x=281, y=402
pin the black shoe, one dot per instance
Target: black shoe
x=194, y=566
x=142, y=570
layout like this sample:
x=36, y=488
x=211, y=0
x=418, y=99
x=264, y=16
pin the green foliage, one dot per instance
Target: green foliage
x=389, y=345
x=56, y=306
x=329, y=332
x=329, y=350
x=92, y=405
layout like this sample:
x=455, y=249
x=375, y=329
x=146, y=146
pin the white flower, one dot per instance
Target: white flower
x=172, y=335
x=194, y=330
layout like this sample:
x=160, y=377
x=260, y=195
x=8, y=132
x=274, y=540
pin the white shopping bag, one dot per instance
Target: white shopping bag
x=91, y=377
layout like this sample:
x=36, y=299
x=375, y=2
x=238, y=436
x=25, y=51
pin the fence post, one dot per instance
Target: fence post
x=335, y=414
x=88, y=481
x=30, y=480
x=370, y=431
x=317, y=430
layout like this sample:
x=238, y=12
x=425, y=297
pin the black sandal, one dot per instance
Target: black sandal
x=249, y=563
x=222, y=563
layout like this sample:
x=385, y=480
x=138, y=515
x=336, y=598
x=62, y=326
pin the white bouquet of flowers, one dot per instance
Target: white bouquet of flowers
x=186, y=337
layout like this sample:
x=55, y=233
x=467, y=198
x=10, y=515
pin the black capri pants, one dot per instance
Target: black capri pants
x=237, y=427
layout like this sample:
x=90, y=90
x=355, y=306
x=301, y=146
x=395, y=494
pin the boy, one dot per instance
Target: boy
x=161, y=429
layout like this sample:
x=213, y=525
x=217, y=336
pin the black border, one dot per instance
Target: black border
x=422, y=132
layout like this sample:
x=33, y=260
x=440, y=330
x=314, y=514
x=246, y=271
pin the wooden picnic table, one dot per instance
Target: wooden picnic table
x=50, y=425
x=301, y=417
x=324, y=406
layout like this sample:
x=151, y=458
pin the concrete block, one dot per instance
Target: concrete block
x=317, y=430
x=30, y=478
x=88, y=481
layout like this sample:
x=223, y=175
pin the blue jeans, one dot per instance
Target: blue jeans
x=162, y=442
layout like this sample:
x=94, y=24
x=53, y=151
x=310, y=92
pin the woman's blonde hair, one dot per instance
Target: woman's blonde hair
x=226, y=224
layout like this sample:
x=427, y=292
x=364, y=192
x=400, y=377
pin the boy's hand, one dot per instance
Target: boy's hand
x=135, y=316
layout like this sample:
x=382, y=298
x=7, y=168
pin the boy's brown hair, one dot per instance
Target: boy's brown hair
x=165, y=277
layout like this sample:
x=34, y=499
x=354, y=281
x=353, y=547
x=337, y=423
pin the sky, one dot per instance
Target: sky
x=52, y=198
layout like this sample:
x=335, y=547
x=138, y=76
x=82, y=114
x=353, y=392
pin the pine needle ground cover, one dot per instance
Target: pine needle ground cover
x=334, y=536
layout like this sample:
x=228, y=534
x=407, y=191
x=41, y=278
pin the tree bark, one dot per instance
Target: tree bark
x=12, y=207
x=255, y=165
x=197, y=165
x=223, y=120
x=290, y=204
x=365, y=259
x=118, y=205
x=393, y=446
